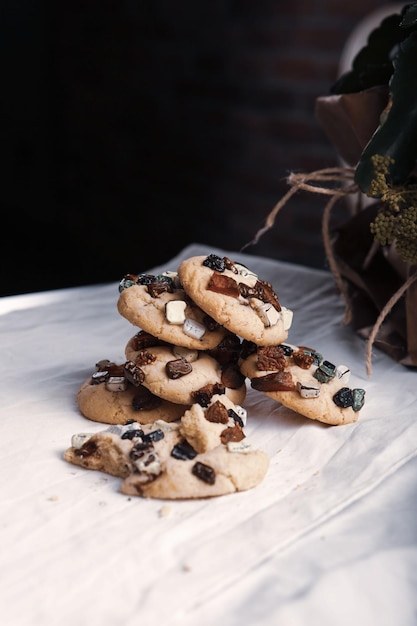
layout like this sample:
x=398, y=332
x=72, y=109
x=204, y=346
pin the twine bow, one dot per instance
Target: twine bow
x=342, y=184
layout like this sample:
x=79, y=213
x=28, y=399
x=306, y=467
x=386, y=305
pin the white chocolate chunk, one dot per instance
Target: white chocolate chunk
x=175, y=311
x=343, y=373
x=116, y=383
x=250, y=278
x=242, y=413
x=268, y=314
x=239, y=446
x=174, y=277
x=287, y=316
x=78, y=440
x=148, y=463
x=165, y=426
x=193, y=328
x=99, y=377
x=311, y=390
x=186, y=353
x=115, y=429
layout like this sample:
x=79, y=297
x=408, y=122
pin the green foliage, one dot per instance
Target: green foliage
x=389, y=58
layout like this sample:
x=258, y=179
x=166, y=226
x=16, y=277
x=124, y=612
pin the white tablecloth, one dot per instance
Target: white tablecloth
x=329, y=538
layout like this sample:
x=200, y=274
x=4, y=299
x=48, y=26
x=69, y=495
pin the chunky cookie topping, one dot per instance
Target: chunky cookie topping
x=119, y=377
x=183, y=451
x=177, y=368
x=276, y=381
x=251, y=290
x=205, y=394
x=204, y=472
x=155, y=284
x=277, y=360
x=134, y=373
x=217, y=413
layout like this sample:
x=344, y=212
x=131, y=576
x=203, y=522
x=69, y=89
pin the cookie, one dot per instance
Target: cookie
x=155, y=461
x=109, y=397
x=219, y=422
x=220, y=471
x=181, y=374
x=300, y=379
x=236, y=298
x=159, y=306
x=110, y=450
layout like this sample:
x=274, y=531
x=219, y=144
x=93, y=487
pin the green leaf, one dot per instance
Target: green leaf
x=397, y=135
x=373, y=64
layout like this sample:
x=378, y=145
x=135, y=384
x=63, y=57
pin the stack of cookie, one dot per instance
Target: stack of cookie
x=205, y=331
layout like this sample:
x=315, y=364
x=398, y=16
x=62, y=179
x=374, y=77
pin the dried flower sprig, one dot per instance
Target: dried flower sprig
x=396, y=220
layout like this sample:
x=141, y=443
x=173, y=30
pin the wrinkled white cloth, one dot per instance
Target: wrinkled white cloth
x=329, y=537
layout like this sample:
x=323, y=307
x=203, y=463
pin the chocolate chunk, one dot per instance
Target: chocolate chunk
x=232, y=433
x=133, y=373
x=143, y=340
x=144, y=357
x=132, y=434
x=220, y=283
x=178, y=368
x=270, y=358
x=103, y=365
x=203, y=395
x=303, y=359
x=116, y=370
x=204, y=472
x=154, y=435
x=266, y=293
x=183, y=451
x=155, y=289
x=318, y=358
x=217, y=413
x=106, y=369
x=230, y=265
x=277, y=381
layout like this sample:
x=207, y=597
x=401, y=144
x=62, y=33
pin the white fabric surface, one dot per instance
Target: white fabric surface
x=329, y=537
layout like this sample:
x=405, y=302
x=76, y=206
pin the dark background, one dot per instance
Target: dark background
x=131, y=129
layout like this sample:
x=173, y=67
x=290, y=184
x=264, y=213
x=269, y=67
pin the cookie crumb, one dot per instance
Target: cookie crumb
x=53, y=498
x=164, y=511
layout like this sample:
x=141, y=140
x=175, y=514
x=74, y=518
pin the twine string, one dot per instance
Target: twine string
x=342, y=185
x=381, y=317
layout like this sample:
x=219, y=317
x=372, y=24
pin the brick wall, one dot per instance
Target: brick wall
x=157, y=124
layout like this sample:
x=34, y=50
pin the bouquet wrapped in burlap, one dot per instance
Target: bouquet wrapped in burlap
x=371, y=118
